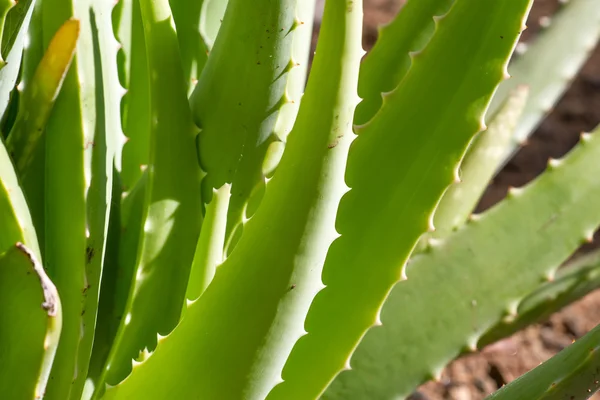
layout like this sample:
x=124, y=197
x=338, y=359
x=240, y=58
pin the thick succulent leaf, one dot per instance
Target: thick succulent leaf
x=389, y=60
x=39, y=94
x=462, y=286
x=29, y=324
x=478, y=167
x=76, y=156
x=233, y=341
x=572, y=282
x=136, y=102
x=19, y=17
x=571, y=374
x=549, y=65
x=172, y=213
x=100, y=172
x=211, y=17
x=33, y=182
x=126, y=229
x=194, y=51
x=112, y=275
x=16, y=225
x=398, y=169
x=253, y=71
x=5, y=6
x=209, y=249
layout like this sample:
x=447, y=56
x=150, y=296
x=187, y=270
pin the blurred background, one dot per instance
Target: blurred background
x=474, y=376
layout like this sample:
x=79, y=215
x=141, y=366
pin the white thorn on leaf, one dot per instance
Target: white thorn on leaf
x=554, y=163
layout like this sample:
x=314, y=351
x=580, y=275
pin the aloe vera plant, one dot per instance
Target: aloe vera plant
x=188, y=211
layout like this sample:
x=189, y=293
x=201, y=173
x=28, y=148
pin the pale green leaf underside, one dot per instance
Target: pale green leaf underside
x=234, y=340
x=572, y=282
x=461, y=287
x=479, y=166
x=398, y=168
x=30, y=324
x=549, y=64
x=171, y=215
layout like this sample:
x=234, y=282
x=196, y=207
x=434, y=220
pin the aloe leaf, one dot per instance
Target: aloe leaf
x=233, y=341
x=78, y=170
x=5, y=6
x=194, y=51
x=29, y=325
x=100, y=172
x=17, y=225
x=571, y=374
x=127, y=224
x=549, y=65
x=389, y=60
x=253, y=71
x=20, y=16
x=209, y=249
x=398, y=168
x=136, y=114
x=39, y=95
x=572, y=282
x=477, y=265
x=211, y=17
x=112, y=275
x=118, y=279
x=478, y=167
x=172, y=213
x=33, y=181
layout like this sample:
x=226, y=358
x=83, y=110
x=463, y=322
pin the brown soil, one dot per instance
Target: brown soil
x=474, y=376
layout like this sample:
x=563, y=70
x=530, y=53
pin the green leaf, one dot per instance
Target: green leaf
x=74, y=146
x=5, y=6
x=461, y=287
x=549, y=65
x=478, y=167
x=571, y=374
x=17, y=225
x=39, y=95
x=33, y=182
x=209, y=249
x=573, y=281
x=234, y=340
x=29, y=324
x=19, y=17
x=398, y=169
x=136, y=102
x=99, y=199
x=389, y=60
x=136, y=115
x=211, y=17
x=113, y=274
x=172, y=210
x=253, y=71
x=194, y=52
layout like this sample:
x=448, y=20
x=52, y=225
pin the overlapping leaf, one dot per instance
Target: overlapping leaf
x=464, y=285
x=398, y=168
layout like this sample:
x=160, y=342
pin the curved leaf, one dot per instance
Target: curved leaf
x=462, y=286
x=549, y=65
x=234, y=340
x=29, y=324
x=171, y=214
x=398, y=169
